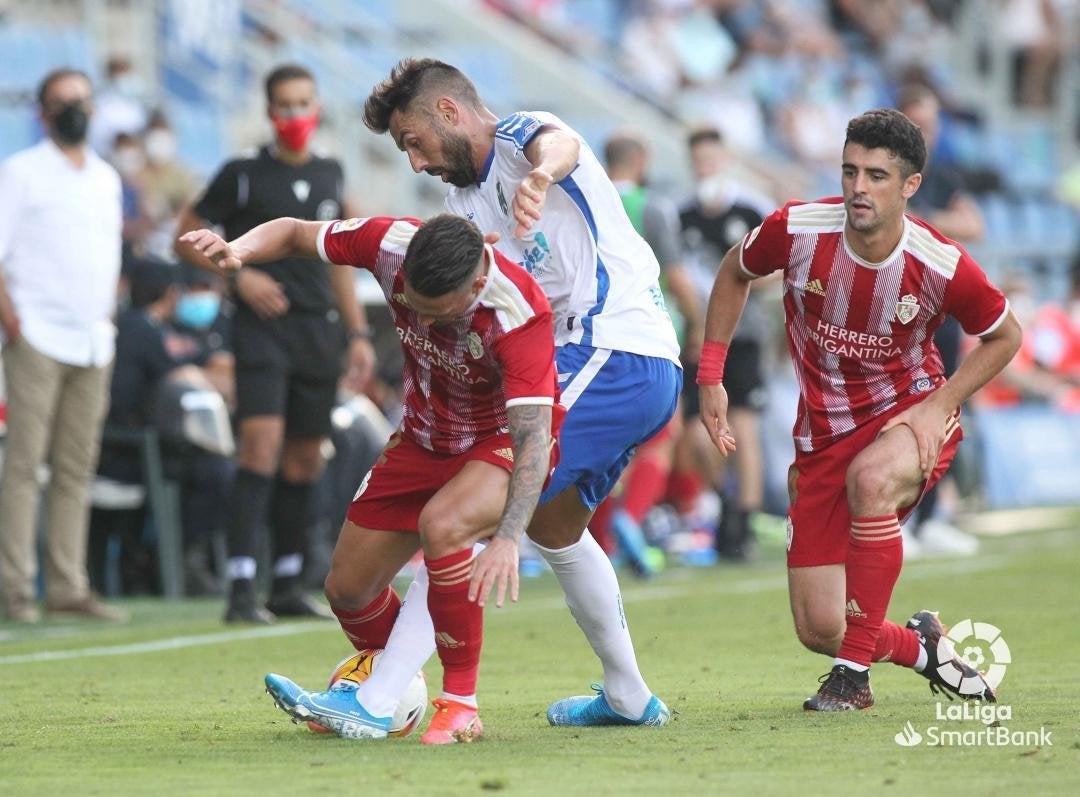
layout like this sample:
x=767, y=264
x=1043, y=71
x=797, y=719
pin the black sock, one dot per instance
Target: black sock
x=250, y=500
x=290, y=518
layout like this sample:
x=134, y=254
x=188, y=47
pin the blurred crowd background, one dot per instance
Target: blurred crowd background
x=709, y=114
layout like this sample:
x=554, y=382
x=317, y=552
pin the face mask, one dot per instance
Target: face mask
x=295, y=132
x=70, y=123
x=128, y=84
x=160, y=146
x=198, y=310
x=129, y=161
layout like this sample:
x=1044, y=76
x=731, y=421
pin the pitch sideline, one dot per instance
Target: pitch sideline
x=639, y=595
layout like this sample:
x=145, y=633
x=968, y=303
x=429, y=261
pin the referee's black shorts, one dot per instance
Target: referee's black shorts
x=743, y=379
x=289, y=366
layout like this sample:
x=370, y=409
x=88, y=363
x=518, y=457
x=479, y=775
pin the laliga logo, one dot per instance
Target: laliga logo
x=976, y=644
x=908, y=737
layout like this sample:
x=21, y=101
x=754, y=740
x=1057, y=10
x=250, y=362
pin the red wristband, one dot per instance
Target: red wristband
x=710, y=369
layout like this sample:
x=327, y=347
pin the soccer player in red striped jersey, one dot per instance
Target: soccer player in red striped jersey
x=474, y=450
x=865, y=286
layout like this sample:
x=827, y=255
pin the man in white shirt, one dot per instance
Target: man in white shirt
x=60, y=220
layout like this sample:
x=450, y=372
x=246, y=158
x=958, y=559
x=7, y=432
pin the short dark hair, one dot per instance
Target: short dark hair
x=704, y=135
x=57, y=74
x=914, y=94
x=149, y=279
x=443, y=255
x=284, y=73
x=886, y=128
x=412, y=78
x=621, y=147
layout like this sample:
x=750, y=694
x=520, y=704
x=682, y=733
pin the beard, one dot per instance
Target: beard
x=457, y=154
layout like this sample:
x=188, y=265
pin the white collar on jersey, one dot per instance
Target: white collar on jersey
x=888, y=259
x=489, y=259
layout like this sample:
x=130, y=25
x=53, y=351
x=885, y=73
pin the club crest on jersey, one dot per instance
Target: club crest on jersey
x=345, y=225
x=476, y=348
x=503, y=204
x=302, y=189
x=907, y=308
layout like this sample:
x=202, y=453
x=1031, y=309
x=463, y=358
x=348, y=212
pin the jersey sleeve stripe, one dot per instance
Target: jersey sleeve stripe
x=546, y=401
x=603, y=282
x=508, y=302
x=996, y=324
x=398, y=236
x=941, y=257
x=320, y=241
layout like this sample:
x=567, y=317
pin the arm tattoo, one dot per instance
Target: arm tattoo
x=530, y=432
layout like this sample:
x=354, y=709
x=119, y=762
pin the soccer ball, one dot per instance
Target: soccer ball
x=412, y=706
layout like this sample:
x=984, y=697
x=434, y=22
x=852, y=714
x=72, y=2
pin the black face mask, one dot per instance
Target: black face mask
x=71, y=122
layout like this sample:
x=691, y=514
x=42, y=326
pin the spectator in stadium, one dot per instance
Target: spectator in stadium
x=719, y=215
x=167, y=186
x=119, y=106
x=533, y=182
x=878, y=422
x=656, y=219
x=291, y=324
x=469, y=461
x=152, y=350
x=1034, y=32
x=943, y=202
x=60, y=227
x=1055, y=339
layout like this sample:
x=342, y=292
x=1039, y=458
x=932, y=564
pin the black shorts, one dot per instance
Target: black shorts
x=743, y=379
x=289, y=366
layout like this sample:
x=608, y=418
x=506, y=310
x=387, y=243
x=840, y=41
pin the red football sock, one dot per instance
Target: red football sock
x=875, y=554
x=600, y=525
x=370, y=627
x=459, y=622
x=683, y=489
x=897, y=644
x=645, y=485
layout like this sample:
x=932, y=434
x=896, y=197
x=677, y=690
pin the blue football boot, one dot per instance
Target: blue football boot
x=338, y=710
x=586, y=711
x=284, y=691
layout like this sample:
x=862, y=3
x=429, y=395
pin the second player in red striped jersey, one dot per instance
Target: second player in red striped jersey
x=865, y=286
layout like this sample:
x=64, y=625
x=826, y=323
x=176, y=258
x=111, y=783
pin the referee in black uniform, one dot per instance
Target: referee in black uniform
x=294, y=321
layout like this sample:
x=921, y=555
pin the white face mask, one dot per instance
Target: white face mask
x=129, y=161
x=160, y=146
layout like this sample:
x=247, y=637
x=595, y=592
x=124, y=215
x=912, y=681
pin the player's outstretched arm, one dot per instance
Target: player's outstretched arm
x=273, y=240
x=726, y=303
x=497, y=565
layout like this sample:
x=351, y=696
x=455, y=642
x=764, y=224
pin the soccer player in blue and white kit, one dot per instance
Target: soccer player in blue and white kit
x=532, y=180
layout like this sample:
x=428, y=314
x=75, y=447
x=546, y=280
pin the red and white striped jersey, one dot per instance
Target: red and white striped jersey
x=459, y=377
x=861, y=334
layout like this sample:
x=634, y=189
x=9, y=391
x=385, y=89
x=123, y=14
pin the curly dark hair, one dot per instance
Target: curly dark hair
x=443, y=255
x=412, y=78
x=886, y=128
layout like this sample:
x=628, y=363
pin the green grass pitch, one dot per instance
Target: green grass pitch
x=143, y=709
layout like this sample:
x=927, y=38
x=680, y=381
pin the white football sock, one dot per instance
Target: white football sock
x=851, y=665
x=410, y=645
x=592, y=593
x=922, y=660
x=468, y=700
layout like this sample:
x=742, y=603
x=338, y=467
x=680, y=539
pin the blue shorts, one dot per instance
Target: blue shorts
x=615, y=401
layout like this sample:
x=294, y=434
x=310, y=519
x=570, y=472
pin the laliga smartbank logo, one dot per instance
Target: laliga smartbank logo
x=982, y=647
